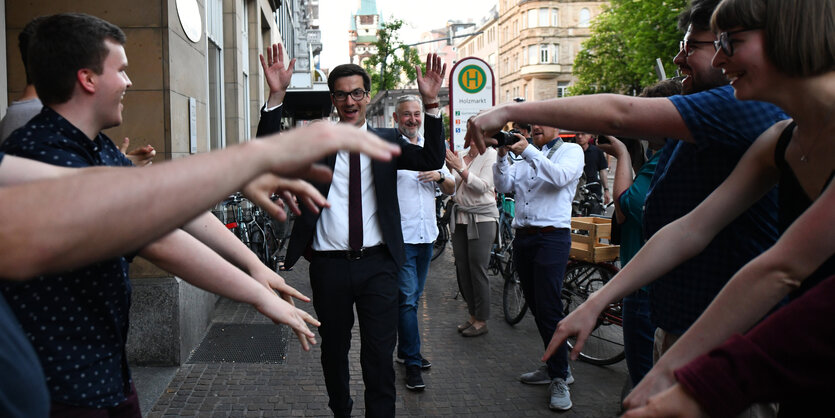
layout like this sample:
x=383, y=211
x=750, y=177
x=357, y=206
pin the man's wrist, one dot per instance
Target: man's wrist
x=441, y=177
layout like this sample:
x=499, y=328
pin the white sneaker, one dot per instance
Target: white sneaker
x=560, y=399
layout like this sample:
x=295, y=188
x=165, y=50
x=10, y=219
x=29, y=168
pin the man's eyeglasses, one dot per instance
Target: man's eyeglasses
x=356, y=94
x=685, y=46
x=726, y=43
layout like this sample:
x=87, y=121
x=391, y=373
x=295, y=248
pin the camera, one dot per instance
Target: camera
x=506, y=138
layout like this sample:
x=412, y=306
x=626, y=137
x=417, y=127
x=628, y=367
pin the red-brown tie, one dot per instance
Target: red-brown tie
x=354, y=203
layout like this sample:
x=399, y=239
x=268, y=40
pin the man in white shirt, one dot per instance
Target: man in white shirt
x=416, y=195
x=544, y=183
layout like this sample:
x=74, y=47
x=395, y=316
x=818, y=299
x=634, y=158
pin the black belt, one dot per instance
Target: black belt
x=353, y=254
x=532, y=230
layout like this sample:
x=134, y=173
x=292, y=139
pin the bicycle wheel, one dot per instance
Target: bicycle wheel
x=604, y=345
x=513, y=300
x=439, y=245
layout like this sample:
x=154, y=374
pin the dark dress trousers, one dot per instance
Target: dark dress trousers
x=369, y=282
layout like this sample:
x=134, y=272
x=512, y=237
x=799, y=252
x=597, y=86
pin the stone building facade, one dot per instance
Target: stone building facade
x=538, y=41
x=363, y=32
x=197, y=86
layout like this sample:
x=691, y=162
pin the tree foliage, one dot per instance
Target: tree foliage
x=626, y=38
x=400, y=59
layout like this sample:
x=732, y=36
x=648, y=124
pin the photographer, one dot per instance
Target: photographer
x=544, y=183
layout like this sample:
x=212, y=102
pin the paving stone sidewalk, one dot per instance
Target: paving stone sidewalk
x=469, y=377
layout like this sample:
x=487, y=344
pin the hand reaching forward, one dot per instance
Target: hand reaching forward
x=294, y=152
x=673, y=402
x=481, y=128
x=274, y=282
x=281, y=312
x=276, y=74
x=429, y=84
x=261, y=190
x=578, y=323
x=657, y=380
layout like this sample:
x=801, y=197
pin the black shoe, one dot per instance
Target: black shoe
x=424, y=363
x=413, y=380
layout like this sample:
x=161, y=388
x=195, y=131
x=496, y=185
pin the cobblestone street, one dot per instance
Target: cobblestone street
x=469, y=376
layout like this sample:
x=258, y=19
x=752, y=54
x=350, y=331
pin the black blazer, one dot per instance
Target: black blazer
x=429, y=157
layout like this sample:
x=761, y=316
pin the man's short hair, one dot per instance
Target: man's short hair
x=698, y=15
x=347, y=70
x=407, y=98
x=23, y=43
x=799, y=35
x=64, y=44
x=663, y=88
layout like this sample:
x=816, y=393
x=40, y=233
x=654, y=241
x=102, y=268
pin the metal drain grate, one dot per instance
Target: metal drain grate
x=243, y=343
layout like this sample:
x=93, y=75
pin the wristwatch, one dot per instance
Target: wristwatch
x=459, y=170
x=441, y=180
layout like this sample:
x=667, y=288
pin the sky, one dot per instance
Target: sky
x=420, y=16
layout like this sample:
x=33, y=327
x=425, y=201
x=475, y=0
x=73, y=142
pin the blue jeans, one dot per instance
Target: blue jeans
x=411, y=279
x=540, y=260
x=638, y=335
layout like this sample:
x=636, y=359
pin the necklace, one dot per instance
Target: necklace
x=803, y=154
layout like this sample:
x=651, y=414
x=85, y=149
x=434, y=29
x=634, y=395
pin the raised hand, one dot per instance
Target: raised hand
x=276, y=74
x=429, y=84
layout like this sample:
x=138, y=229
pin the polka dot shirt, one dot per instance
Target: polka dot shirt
x=77, y=321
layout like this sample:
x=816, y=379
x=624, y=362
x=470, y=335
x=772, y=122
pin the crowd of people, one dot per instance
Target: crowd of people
x=723, y=201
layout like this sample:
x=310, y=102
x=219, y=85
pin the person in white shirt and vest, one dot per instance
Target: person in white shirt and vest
x=416, y=191
x=544, y=183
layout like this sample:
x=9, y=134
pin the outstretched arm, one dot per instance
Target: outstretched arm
x=611, y=114
x=184, y=256
x=431, y=155
x=623, y=172
x=753, y=177
x=53, y=218
x=750, y=294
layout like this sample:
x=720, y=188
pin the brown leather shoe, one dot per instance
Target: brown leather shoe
x=474, y=332
x=464, y=326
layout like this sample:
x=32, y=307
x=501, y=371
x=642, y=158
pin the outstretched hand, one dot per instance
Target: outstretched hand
x=281, y=312
x=276, y=74
x=294, y=152
x=481, y=128
x=429, y=84
x=274, y=282
x=673, y=402
x=656, y=381
x=579, y=324
x=261, y=190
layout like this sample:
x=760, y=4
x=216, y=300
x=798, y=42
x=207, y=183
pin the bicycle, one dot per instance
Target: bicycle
x=586, y=202
x=443, y=204
x=251, y=225
x=514, y=305
x=604, y=345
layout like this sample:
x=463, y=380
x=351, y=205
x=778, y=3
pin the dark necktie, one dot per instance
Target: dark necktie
x=354, y=203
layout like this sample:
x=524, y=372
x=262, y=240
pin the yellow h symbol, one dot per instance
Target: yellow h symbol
x=472, y=77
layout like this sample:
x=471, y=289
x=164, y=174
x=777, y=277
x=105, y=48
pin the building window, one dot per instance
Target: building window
x=515, y=62
x=543, y=17
x=556, y=54
x=516, y=27
x=532, y=54
x=543, y=53
x=507, y=95
x=562, y=89
x=491, y=59
x=585, y=18
x=532, y=18
x=214, y=32
x=555, y=17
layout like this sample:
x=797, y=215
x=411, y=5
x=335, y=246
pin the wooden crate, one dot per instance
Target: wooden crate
x=587, y=246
